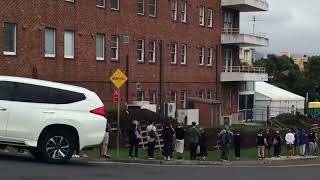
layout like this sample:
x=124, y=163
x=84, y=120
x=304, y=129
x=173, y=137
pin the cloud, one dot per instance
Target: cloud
x=291, y=25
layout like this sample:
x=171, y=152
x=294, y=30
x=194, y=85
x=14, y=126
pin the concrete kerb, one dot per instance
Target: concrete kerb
x=264, y=162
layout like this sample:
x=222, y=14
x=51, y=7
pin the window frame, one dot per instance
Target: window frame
x=73, y=44
x=201, y=56
x=184, y=5
x=183, y=99
x=210, y=56
x=140, y=51
x=201, y=94
x=174, y=10
x=155, y=8
x=152, y=94
x=103, y=47
x=104, y=4
x=153, y=51
x=11, y=53
x=202, y=16
x=210, y=18
x=173, y=54
x=143, y=9
x=118, y=5
x=116, y=48
x=142, y=97
x=54, y=43
x=184, y=49
x=173, y=97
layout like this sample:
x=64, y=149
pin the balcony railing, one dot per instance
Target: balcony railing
x=244, y=69
x=247, y=5
x=235, y=31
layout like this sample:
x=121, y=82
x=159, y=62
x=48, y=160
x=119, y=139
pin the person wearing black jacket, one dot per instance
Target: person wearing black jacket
x=134, y=135
x=203, y=143
x=237, y=146
x=180, y=135
x=168, y=134
x=269, y=142
x=277, y=142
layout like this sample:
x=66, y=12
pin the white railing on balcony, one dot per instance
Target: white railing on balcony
x=261, y=2
x=237, y=31
x=244, y=69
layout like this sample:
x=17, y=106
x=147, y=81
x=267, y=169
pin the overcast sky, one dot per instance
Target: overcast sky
x=291, y=25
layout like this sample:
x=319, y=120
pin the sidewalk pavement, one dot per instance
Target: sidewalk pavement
x=267, y=161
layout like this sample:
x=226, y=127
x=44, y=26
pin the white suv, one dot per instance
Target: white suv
x=50, y=119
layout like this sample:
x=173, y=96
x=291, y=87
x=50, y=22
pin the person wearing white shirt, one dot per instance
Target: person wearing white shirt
x=151, y=138
x=290, y=142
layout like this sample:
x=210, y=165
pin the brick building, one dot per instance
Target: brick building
x=171, y=50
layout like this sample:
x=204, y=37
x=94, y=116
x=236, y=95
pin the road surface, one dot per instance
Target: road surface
x=13, y=167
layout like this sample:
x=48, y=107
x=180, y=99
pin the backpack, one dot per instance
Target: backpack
x=226, y=138
x=152, y=134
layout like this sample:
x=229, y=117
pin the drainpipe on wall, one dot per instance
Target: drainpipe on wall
x=162, y=91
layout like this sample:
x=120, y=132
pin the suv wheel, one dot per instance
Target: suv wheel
x=56, y=146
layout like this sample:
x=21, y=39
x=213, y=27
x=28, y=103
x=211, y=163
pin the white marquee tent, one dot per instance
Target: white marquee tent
x=278, y=100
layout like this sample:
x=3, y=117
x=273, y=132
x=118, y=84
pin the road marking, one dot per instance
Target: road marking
x=209, y=166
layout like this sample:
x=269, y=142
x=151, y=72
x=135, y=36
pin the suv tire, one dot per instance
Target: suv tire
x=56, y=146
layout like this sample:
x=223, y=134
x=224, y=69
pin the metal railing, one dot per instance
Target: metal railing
x=244, y=69
x=237, y=31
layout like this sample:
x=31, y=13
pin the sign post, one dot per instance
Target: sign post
x=118, y=79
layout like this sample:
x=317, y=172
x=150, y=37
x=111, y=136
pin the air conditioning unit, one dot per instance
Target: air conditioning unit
x=170, y=110
x=138, y=87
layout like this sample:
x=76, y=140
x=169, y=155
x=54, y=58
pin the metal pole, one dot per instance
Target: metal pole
x=118, y=131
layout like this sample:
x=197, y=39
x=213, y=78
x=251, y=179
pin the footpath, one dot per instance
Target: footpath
x=266, y=162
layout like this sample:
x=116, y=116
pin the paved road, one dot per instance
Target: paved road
x=25, y=168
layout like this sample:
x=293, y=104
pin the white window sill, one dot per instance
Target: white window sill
x=115, y=9
x=69, y=57
x=100, y=58
x=184, y=63
x=114, y=59
x=9, y=53
x=210, y=65
x=103, y=7
x=140, y=14
x=50, y=55
x=140, y=61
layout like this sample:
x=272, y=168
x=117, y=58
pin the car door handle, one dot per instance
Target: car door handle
x=48, y=112
x=3, y=109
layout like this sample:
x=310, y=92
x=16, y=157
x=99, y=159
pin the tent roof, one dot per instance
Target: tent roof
x=275, y=93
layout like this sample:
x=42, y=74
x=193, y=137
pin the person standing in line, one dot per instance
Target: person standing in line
x=105, y=142
x=302, y=138
x=277, y=142
x=203, y=143
x=152, y=139
x=312, y=142
x=237, y=146
x=193, y=135
x=260, y=139
x=295, y=133
x=134, y=134
x=168, y=137
x=225, y=138
x=290, y=143
x=180, y=135
x=268, y=143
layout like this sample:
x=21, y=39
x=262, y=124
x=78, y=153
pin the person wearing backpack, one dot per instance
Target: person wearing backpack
x=225, y=140
x=193, y=135
x=152, y=139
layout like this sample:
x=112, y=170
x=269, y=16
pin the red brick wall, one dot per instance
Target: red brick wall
x=86, y=20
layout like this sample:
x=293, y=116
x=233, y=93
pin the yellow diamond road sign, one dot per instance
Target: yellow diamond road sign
x=118, y=78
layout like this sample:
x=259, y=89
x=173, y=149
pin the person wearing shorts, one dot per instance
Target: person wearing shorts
x=105, y=142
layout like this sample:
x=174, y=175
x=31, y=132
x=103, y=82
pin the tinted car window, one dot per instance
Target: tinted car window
x=59, y=96
x=6, y=90
x=30, y=93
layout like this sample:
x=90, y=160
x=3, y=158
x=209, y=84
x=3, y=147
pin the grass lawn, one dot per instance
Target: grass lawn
x=246, y=154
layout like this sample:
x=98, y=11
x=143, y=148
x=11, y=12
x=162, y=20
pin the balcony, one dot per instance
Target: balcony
x=246, y=5
x=243, y=73
x=233, y=36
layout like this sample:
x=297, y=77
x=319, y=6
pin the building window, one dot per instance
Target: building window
x=210, y=17
x=184, y=11
x=114, y=48
x=140, y=96
x=152, y=51
x=141, y=7
x=184, y=54
x=115, y=4
x=69, y=44
x=201, y=16
x=10, y=32
x=140, y=50
x=201, y=94
x=174, y=5
x=173, y=96
x=209, y=94
x=173, y=53
x=153, y=8
x=201, y=56
x=50, y=42
x=210, y=51
x=100, y=3
x=152, y=97
x=183, y=99
x=100, y=47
